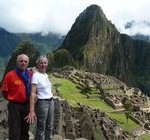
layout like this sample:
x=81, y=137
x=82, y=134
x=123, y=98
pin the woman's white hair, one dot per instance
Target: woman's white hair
x=41, y=58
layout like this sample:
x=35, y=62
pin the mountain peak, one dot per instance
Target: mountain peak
x=91, y=22
x=92, y=14
x=94, y=11
x=90, y=25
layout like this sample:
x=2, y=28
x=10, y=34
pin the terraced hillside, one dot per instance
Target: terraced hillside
x=109, y=95
x=93, y=106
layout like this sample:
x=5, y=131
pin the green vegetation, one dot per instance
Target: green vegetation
x=143, y=82
x=144, y=137
x=120, y=118
x=62, y=57
x=1, y=75
x=3, y=62
x=68, y=91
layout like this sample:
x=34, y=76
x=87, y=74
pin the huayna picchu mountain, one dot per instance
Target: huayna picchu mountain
x=95, y=44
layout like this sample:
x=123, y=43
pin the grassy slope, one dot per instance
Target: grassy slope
x=69, y=91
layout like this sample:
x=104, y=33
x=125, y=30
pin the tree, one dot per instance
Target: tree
x=128, y=106
x=27, y=48
x=50, y=61
x=57, y=85
x=62, y=57
x=86, y=88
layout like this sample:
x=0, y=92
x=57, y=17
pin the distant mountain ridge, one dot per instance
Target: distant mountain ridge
x=44, y=43
x=9, y=41
x=141, y=37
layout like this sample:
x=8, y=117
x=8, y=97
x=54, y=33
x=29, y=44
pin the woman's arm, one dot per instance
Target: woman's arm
x=32, y=97
x=32, y=116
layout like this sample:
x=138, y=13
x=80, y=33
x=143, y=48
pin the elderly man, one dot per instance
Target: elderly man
x=16, y=89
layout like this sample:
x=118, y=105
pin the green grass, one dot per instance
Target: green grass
x=69, y=92
x=144, y=137
x=122, y=121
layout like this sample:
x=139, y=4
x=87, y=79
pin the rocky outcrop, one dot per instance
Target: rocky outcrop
x=3, y=119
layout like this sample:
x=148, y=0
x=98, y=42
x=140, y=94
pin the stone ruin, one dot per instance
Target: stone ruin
x=78, y=123
x=84, y=122
x=113, y=92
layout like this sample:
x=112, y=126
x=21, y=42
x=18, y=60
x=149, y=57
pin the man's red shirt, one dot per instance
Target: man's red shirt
x=14, y=87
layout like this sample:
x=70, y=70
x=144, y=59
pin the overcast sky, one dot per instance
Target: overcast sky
x=59, y=15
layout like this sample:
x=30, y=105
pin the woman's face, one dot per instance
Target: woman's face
x=42, y=65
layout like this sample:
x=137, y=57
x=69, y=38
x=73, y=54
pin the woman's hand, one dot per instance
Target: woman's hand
x=31, y=117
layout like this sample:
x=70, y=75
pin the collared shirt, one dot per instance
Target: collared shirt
x=15, y=88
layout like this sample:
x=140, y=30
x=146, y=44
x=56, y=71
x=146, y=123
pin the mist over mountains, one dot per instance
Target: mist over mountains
x=43, y=43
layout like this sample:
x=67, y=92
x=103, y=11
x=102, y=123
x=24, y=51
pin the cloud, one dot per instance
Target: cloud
x=59, y=15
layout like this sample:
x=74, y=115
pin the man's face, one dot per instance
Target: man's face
x=22, y=62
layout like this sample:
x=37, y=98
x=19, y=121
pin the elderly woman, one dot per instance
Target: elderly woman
x=44, y=106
